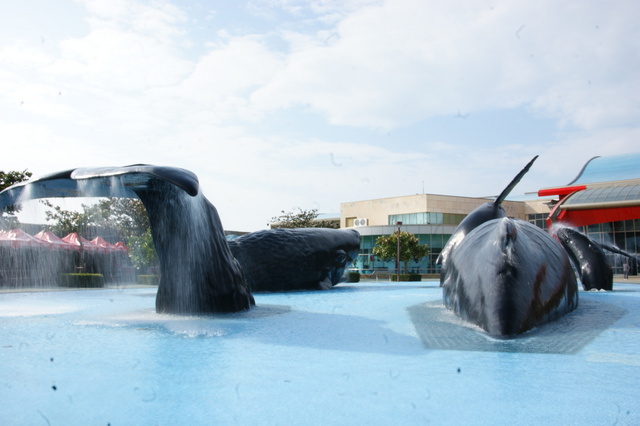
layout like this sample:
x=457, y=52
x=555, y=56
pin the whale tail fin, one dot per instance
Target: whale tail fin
x=505, y=193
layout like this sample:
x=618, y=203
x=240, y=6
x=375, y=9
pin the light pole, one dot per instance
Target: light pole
x=398, y=254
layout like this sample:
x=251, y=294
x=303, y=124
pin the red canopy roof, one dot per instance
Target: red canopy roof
x=107, y=245
x=55, y=241
x=17, y=238
x=78, y=241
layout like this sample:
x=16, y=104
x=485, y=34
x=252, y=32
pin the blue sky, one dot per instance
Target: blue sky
x=279, y=104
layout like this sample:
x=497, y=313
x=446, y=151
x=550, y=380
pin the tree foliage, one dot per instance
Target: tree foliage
x=7, y=179
x=410, y=248
x=302, y=219
x=12, y=177
x=126, y=216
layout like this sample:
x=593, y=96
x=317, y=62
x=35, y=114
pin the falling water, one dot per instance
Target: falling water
x=30, y=262
x=27, y=262
x=198, y=273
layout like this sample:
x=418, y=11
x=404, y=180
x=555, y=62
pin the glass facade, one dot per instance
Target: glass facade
x=367, y=263
x=609, y=169
x=605, y=195
x=427, y=218
x=538, y=219
x=624, y=235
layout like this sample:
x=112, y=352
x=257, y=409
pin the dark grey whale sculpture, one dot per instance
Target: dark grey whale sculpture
x=295, y=259
x=505, y=275
x=508, y=276
x=485, y=212
x=588, y=257
x=198, y=272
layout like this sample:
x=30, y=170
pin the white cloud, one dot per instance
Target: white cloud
x=131, y=89
x=219, y=87
x=159, y=20
x=396, y=63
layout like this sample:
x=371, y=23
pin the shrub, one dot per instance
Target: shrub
x=77, y=280
x=353, y=277
x=407, y=277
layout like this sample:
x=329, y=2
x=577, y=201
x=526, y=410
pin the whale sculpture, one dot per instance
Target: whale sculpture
x=505, y=275
x=198, y=273
x=588, y=257
x=485, y=212
x=295, y=259
x=508, y=276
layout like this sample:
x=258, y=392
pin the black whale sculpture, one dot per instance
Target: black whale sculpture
x=505, y=275
x=588, y=257
x=199, y=272
x=197, y=275
x=485, y=212
x=295, y=259
x=508, y=276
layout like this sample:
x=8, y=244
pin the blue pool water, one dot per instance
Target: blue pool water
x=366, y=353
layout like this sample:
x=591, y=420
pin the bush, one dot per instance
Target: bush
x=407, y=277
x=353, y=277
x=82, y=280
x=148, y=279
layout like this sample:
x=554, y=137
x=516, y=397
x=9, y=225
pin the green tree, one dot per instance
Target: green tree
x=126, y=215
x=410, y=248
x=64, y=221
x=303, y=219
x=11, y=178
x=7, y=179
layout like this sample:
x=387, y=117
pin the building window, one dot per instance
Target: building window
x=538, y=219
x=426, y=218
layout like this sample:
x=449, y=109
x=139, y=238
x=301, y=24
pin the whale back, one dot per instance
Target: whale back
x=508, y=276
x=295, y=259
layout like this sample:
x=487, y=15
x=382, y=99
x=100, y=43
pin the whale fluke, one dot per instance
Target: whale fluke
x=198, y=273
x=587, y=256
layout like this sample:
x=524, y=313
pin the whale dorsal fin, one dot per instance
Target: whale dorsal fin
x=505, y=192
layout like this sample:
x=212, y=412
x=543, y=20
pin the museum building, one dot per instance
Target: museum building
x=603, y=201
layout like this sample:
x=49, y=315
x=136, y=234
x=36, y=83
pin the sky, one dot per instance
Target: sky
x=284, y=104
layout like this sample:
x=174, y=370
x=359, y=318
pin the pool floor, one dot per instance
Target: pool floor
x=366, y=353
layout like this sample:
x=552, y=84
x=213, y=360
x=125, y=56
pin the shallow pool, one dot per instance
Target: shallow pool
x=366, y=353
